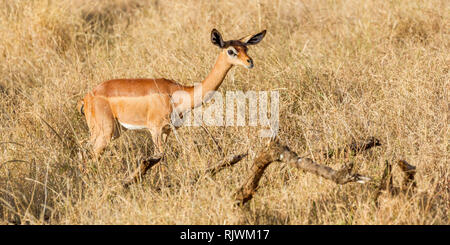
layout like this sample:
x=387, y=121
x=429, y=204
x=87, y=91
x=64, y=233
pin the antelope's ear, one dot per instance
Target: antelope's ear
x=216, y=38
x=253, y=39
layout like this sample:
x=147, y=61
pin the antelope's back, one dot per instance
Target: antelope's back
x=135, y=87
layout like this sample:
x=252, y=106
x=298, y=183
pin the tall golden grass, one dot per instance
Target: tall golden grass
x=345, y=70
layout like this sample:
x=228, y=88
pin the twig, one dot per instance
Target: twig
x=387, y=182
x=13, y=160
x=226, y=162
x=409, y=183
x=54, y=131
x=365, y=145
x=141, y=170
x=11, y=142
x=214, y=140
x=356, y=147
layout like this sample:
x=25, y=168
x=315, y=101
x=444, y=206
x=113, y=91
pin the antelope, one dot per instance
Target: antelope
x=148, y=103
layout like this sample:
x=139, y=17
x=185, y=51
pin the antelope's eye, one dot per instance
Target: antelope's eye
x=230, y=52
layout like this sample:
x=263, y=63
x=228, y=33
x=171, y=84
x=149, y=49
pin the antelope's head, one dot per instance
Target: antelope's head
x=236, y=50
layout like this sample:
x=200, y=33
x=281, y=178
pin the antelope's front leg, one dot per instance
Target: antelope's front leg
x=160, y=147
x=146, y=164
x=157, y=141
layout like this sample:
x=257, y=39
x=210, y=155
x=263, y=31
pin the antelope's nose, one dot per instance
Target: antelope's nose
x=250, y=63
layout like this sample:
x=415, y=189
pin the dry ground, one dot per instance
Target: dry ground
x=345, y=70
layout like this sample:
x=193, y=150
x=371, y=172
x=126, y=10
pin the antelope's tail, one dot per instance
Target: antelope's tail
x=80, y=106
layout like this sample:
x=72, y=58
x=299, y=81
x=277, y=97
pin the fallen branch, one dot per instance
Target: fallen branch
x=409, y=183
x=226, y=162
x=387, y=182
x=365, y=145
x=356, y=147
x=341, y=176
x=141, y=170
x=261, y=162
x=279, y=152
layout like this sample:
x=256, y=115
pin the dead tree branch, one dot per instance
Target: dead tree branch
x=409, y=171
x=356, y=147
x=226, y=162
x=276, y=151
x=141, y=170
x=364, y=145
x=387, y=183
x=342, y=176
x=261, y=162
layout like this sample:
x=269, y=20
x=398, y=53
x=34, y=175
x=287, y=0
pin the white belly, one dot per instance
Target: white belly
x=132, y=127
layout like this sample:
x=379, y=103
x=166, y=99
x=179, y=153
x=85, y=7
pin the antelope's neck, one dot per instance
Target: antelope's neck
x=202, y=92
x=215, y=77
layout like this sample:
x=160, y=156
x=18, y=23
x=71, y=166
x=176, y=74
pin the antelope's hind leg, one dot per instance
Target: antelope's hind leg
x=101, y=123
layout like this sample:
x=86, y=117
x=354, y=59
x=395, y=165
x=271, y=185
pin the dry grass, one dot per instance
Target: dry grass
x=345, y=70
